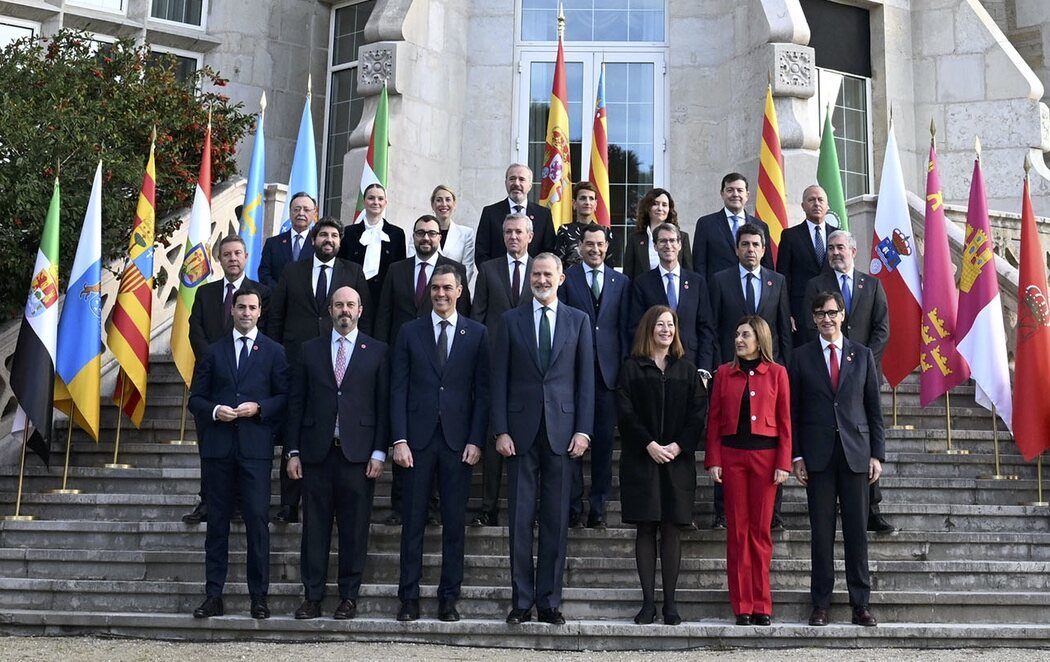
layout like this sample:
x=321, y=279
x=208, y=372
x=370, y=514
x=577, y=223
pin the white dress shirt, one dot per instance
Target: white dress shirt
x=552, y=315
x=824, y=344
x=316, y=272
x=452, y=320
x=351, y=342
x=523, y=274
x=677, y=271
x=237, y=344
x=654, y=257
x=756, y=283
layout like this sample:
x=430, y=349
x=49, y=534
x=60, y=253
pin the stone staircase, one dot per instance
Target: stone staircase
x=968, y=568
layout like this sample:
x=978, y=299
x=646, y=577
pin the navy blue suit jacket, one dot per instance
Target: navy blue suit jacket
x=277, y=254
x=456, y=396
x=522, y=393
x=216, y=381
x=728, y=306
x=609, y=316
x=714, y=246
x=489, y=242
x=797, y=260
x=694, y=313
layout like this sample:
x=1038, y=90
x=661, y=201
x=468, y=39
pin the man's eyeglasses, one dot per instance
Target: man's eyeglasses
x=821, y=314
x=433, y=234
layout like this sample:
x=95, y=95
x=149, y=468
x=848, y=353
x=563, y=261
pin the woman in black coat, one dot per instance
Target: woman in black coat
x=662, y=408
x=374, y=243
x=639, y=252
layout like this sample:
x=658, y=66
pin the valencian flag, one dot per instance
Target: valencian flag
x=771, y=204
x=980, y=327
x=599, y=174
x=556, y=177
x=376, y=159
x=196, y=265
x=253, y=210
x=941, y=366
x=895, y=263
x=303, y=176
x=129, y=330
x=1031, y=416
x=33, y=363
x=78, y=365
x=829, y=177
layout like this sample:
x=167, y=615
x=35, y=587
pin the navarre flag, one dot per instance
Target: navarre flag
x=1031, y=416
x=895, y=263
x=253, y=211
x=303, y=176
x=829, y=177
x=599, y=173
x=376, y=159
x=980, y=327
x=33, y=363
x=556, y=177
x=771, y=203
x=78, y=366
x=130, y=326
x=941, y=366
x=196, y=265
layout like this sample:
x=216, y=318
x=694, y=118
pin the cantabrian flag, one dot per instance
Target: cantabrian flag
x=556, y=177
x=830, y=177
x=376, y=159
x=303, y=177
x=33, y=363
x=196, y=265
x=78, y=366
x=130, y=325
x=599, y=174
x=253, y=211
x=771, y=203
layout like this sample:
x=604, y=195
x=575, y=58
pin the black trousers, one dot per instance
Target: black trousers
x=491, y=476
x=601, y=452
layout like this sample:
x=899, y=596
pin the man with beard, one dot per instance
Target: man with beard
x=518, y=182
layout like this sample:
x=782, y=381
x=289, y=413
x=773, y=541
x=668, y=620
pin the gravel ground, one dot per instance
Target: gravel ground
x=89, y=649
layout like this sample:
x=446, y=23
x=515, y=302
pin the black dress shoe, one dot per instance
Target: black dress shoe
x=596, y=522
x=519, y=616
x=259, y=607
x=646, y=614
x=447, y=611
x=743, y=619
x=876, y=524
x=819, y=617
x=484, y=519
x=237, y=516
x=777, y=524
x=210, y=607
x=719, y=522
x=863, y=616
x=671, y=617
x=575, y=520
x=309, y=609
x=347, y=609
x=197, y=515
x=393, y=520
x=287, y=515
x=433, y=520
x=409, y=611
x=761, y=619
x=552, y=616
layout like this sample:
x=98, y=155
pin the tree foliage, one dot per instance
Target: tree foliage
x=66, y=102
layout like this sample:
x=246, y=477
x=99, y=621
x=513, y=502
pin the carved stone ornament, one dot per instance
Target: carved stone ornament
x=376, y=64
x=793, y=71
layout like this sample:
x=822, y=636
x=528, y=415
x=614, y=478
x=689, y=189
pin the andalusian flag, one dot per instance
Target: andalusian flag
x=829, y=177
x=33, y=363
x=771, y=204
x=79, y=363
x=556, y=178
x=196, y=265
x=303, y=176
x=253, y=211
x=376, y=160
x=599, y=174
x=129, y=326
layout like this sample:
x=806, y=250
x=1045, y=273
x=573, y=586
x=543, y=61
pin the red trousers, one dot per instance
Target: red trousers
x=747, y=476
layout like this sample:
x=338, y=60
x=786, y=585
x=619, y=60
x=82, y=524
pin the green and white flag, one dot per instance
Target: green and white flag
x=829, y=177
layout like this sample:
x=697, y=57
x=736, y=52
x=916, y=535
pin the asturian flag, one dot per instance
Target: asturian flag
x=303, y=177
x=254, y=209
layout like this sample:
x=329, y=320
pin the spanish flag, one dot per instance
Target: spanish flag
x=556, y=189
x=771, y=204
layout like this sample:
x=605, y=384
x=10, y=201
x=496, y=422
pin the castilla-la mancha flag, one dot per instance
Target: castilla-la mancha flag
x=556, y=178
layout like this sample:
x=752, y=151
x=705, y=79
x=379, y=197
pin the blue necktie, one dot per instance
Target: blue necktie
x=296, y=247
x=847, y=295
x=818, y=246
x=242, y=358
x=672, y=294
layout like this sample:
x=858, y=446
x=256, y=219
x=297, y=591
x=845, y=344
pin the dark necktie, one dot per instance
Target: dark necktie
x=227, y=304
x=544, y=349
x=421, y=284
x=750, y=298
x=834, y=369
x=672, y=294
x=242, y=358
x=515, y=284
x=847, y=295
x=818, y=245
x=322, y=288
x=518, y=209
x=297, y=246
x=442, y=343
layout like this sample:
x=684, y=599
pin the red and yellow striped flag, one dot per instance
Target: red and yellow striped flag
x=771, y=204
x=556, y=189
x=599, y=174
x=128, y=335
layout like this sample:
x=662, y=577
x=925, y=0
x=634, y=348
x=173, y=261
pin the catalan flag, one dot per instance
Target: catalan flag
x=376, y=159
x=129, y=326
x=196, y=265
x=556, y=178
x=254, y=209
x=771, y=204
x=78, y=366
x=599, y=174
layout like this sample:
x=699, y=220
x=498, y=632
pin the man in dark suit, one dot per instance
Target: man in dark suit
x=299, y=313
x=292, y=245
x=489, y=243
x=604, y=294
x=502, y=284
x=543, y=417
x=802, y=253
x=239, y=395
x=714, y=239
x=338, y=432
x=867, y=322
x=683, y=291
x=839, y=449
x=439, y=407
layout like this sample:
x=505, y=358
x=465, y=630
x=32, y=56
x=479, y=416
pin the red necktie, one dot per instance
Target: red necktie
x=421, y=284
x=515, y=284
x=227, y=303
x=834, y=369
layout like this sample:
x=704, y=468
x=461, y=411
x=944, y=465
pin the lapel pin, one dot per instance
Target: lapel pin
x=364, y=346
x=769, y=283
x=849, y=358
x=255, y=348
x=685, y=284
x=462, y=332
x=860, y=286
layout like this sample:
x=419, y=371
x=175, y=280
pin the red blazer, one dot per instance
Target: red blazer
x=770, y=409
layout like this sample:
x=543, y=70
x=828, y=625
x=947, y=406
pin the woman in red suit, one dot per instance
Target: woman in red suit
x=749, y=451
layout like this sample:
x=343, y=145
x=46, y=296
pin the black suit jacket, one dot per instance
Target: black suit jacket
x=492, y=291
x=392, y=251
x=728, y=306
x=868, y=321
x=797, y=260
x=714, y=246
x=397, y=301
x=694, y=312
x=636, y=254
x=277, y=254
x=489, y=243
x=208, y=321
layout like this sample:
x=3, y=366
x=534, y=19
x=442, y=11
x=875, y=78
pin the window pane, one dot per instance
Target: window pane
x=850, y=118
x=594, y=20
x=180, y=11
x=9, y=33
x=344, y=113
x=349, y=31
x=182, y=65
x=106, y=5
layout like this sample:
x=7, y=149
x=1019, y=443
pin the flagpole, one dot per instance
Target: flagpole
x=182, y=440
x=1039, y=485
x=18, y=516
x=69, y=445
x=120, y=417
x=948, y=422
x=998, y=475
x=895, y=425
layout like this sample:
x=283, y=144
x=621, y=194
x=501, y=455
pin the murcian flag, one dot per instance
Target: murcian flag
x=303, y=176
x=376, y=159
x=829, y=177
x=130, y=324
x=196, y=266
x=980, y=326
x=599, y=173
x=33, y=363
x=253, y=211
x=556, y=177
x=771, y=203
x=1031, y=416
x=78, y=366
x=941, y=366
